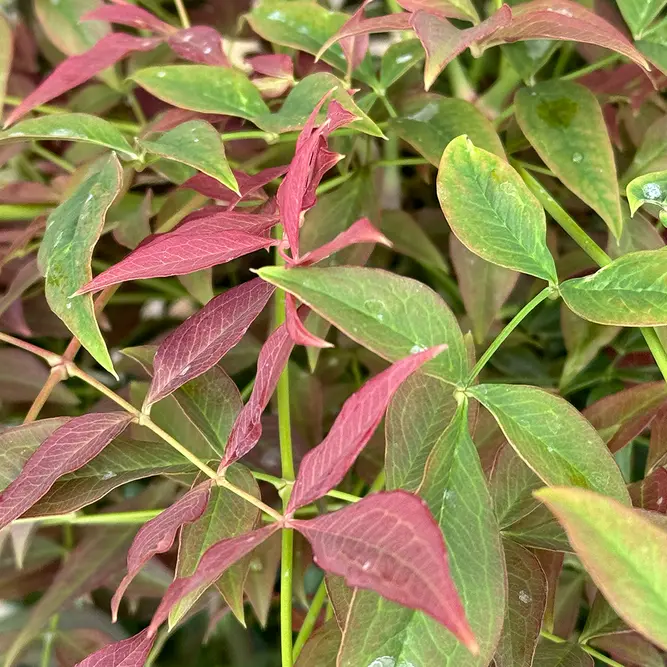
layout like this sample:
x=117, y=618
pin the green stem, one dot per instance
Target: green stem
x=53, y=158
x=136, y=108
x=378, y=483
x=458, y=81
x=401, y=162
x=657, y=349
x=600, y=656
x=341, y=495
x=182, y=13
x=333, y=183
x=311, y=618
x=16, y=212
x=513, y=324
x=593, y=67
x=47, y=646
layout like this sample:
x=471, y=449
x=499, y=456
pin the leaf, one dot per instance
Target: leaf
x=527, y=598
x=632, y=649
x=78, y=69
x=528, y=57
x=125, y=653
x=391, y=315
x=129, y=15
x=323, y=468
x=639, y=14
x=199, y=44
x=6, y=53
x=491, y=210
x=564, y=123
x=212, y=565
x=628, y=292
x=539, y=530
x=552, y=437
x=261, y=579
x=651, y=492
x=549, y=654
x=66, y=251
x=203, y=339
x=218, y=90
x=71, y=127
x=226, y=516
x=428, y=122
x=399, y=59
x=68, y=448
x=601, y=620
x=456, y=9
x=389, y=542
x=322, y=646
x=652, y=152
x=657, y=451
x=603, y=533
x=648, y=189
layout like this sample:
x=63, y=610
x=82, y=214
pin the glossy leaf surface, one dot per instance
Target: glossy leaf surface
x=638, y=14
x=125, y=653
x=648, y=189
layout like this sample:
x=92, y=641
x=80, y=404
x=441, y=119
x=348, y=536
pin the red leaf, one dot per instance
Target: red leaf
x=440, y=7
x=651, y=493
x=67, y=449
x=199, y=44
x=211, y=566
x=157, y=536
x=124, y=13
x=275, y=65
x=390, y=543
x=132, y=652
x=177, y=253
x=247, y=428
x=325, y=466
x=203, y=339
x=296, y=328
x=78, y=69
x=215, y=219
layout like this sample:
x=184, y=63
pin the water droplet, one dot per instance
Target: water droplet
x=108, y=475
x=652, y=191
x=562, y=12
x=208, y=50
x=366, y=566
x=524, y=597
x=68, y=305
x=186, y=370
x=416, y=349
x=187, y=37
x=375, y=308
x=161, y=74
x=196, y=141
x=406, y=57
x=384, y=661
x=661, y=500
x=577, y=158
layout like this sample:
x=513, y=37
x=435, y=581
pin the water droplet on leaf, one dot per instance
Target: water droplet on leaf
x=577, y=158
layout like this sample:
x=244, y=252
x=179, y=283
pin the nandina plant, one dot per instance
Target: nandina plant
x=334, y=336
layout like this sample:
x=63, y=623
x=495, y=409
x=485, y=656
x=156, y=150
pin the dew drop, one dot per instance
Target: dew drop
x=207, y=50
x=661, y=500
x=161, y=74
x=366, y=566
x=375, y=308
x=383, y=661
x=196, y=141
x=416, y=349
x=108, y=475
x=68, y=305
x=524, y=597
x=577, y=158
x=406, y=57
x=652, y=191
x=186, y=370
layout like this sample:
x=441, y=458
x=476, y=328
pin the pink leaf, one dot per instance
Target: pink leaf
x=215, y=219
x=651, y=492
x=247, y=428
x=325, y=466
x=275, y=65
x=130, y=15
x=157, y=536
x=78, y=69
x=440, y=7
x=211, y=566
x=199, y=44
x=203, y=339
x=67, y=449
x=176, y=254
x=390, y=543
x=296, y=328
x=132, y=652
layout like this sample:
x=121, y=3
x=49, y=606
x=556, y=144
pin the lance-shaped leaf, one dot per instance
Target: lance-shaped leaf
x=492, y=212
x=131, y=652
x=428, y=122
x=68, y=448
x=78, y=127
x=648, y=189
x=604, y=534
x=651, y=492
x=324, y=467
x=639, y=14
x=629, y=292
x=322, y=646
x=652, y=152
x=398, y=59
x=526, y=602
x=157, y=536
x=657, y=451
x=67, y=249
x=294, y=321
x=549, y=654
x=195, y=143
x=212, y=565
x=177, y=253
x=273, y=358
x=78, y=69
x=455, y=9
x=389, y=314
x=630, y=649
x=390, y=543
x=203, y=339
x=129, y=15
x=6, y=52
x=260, y=582
x=199, y=44
x=553, y=438
x=564, y=123
x=218, y=90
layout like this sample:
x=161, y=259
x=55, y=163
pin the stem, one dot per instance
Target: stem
x=333, y=183
x=51, y=358
x=341, y=495
x=600, y=656
x=311, y=618
x=378, y=483
x=401, y=162
x=47, y=647
x=136, y=108
x=250, y=498
x=182, y=13
x=16, y=212
x=513, y=324
x=657, y=349
x=593, y=67
x=286, y=574
x=458, y=81
x=53, y=158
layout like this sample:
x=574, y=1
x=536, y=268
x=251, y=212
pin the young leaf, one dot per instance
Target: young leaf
x=157, y=536
x=639, y=14
x=553, y=438
x=129, y=15
x=549, y=654
x=428, y=122
x=389, y=314
x=78, y=127
x=651, y=492
x=203, y=339
x=218, y=90
x=195, y=143
x=629, y=292
x=564, y=123
x=68, y=448
x=390, y=543
x=130, y=652
x=491, y=210
x=630, y=648
x=398, y=59
x=323, y=468
x=604, y=533
x=199, y=44
x=66, y=251
x=648, y=189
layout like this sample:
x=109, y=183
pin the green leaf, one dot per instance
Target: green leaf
x=428, y=122
x=197, y=144
x=455, y=489
x=226, y=516
x=549, y=654
x=199, y=285
x=301, y=100
x=322, y=647
x=639, y=233
x=564, y=123
x=530, y=56
x=623, y=551
x=629, y=292
x=398, y=59
x=71, y=127
x=72, y=230
x=648, y=189
x=6, y=51
x=539, y=530
x=391, y=315
x=553, y=438
x=652, y=152
x=601, y=620
x=491, y=210
x=639, y=14
x=218, y=90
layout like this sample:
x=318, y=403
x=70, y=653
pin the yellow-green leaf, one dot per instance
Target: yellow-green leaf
x=648, y=189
